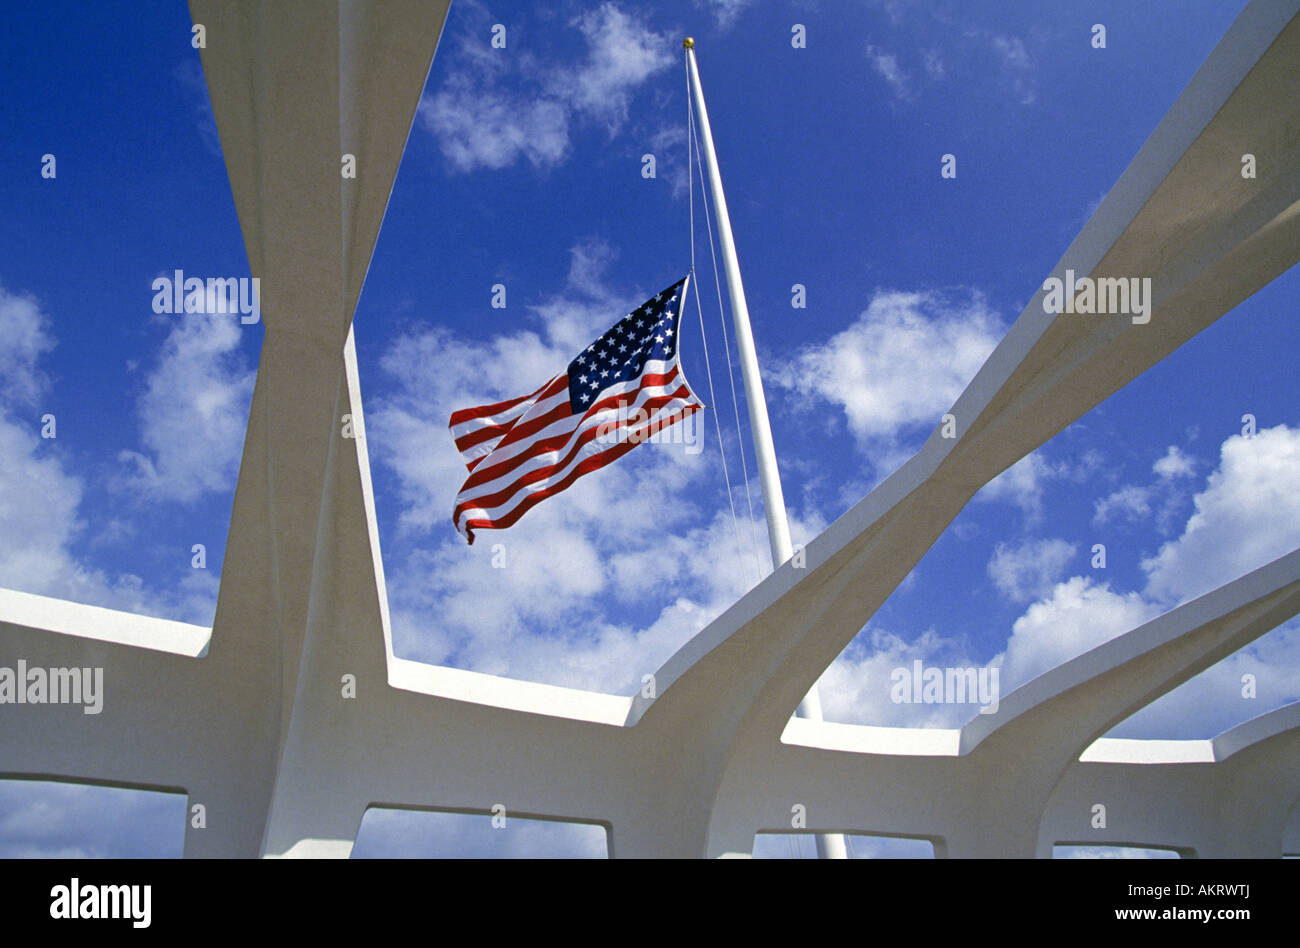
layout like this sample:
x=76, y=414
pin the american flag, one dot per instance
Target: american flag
x=619, y=391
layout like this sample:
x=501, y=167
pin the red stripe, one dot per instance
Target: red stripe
x=586, y=436
x=592, y=463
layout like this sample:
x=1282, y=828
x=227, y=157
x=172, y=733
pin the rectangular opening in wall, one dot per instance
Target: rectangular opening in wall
x=388, y=833
x=1066, y=851
x=42, y=819
x=859, y=846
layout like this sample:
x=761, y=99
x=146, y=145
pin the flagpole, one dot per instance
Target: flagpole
x=778, y=526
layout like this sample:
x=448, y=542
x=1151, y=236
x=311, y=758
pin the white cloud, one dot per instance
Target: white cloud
x=1078, y=615
x=1024, y=482
x=857, y=687
x=899, y=367
x=40, y=498
x=622, y=53
x=668, y=145
x=499, y=109
x=1017, y=66
x=25, y=330
x=1029, y=570
x=886, y=66
x=1133, y=502
x=1174, y=464
x=482, y=128
x=726, y=11
x=193, y=412
x=934, y=65
x=1248, y=515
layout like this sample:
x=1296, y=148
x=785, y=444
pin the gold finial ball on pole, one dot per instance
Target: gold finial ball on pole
x=689, y=42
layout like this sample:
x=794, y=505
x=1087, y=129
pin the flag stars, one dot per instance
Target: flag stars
x=648, y=333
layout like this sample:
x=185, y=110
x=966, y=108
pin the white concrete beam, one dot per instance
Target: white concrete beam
x=746, y=672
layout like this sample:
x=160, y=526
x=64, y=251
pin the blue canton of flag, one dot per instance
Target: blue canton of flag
x=648, y=332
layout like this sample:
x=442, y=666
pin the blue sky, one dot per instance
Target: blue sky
x=524, y=168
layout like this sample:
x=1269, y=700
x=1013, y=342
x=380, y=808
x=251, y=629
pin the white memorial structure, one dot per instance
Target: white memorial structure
x=246, y=718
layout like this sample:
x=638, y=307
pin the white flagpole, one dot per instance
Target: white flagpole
x=778, y=526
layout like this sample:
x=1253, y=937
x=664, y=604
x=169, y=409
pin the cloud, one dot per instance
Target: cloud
x=668, y=145
x=1135, y=503
x=622, y=53
x=193, y=412
x=857, y=687
x=25, y=330
x=1174, y=464
x=898, y=368
x=41, y=497
x=1017, y=66
x=1248, y=515
x=934, y=65
x=499, y=107
x=968, y=55
x=1078, y=615
x=1029, y=570
x=1130, y=501
x=1022, y=484
x=482, y=128
x=726, y=11
x=886, y=66
x=189, y=74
